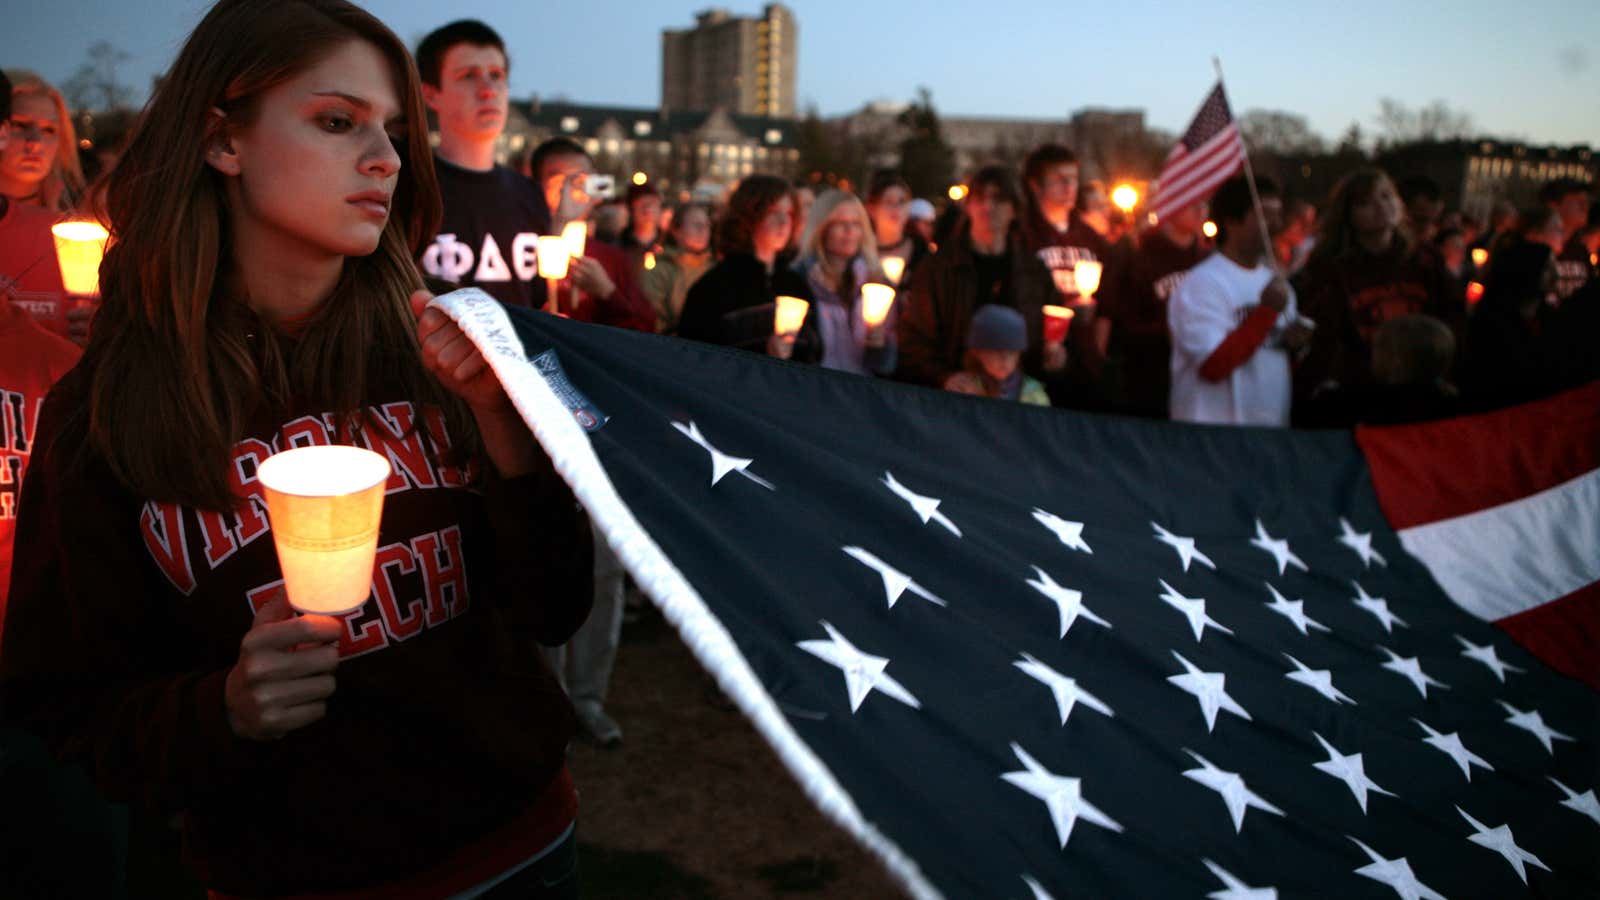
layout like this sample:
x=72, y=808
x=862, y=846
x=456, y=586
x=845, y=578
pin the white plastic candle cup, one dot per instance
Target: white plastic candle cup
x=1057, y=319
x=553, y=254
x=875, y=302
x=893, y=269
x=576, y=234
x=1087, y=276
x=325, y=504
x=790, y=315
x=79, y=248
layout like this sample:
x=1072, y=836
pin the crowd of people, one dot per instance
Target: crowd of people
x=278, y=221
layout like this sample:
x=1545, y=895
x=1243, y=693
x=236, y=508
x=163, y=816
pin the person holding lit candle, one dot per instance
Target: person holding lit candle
x=416, y=741
x=602, y=285
x=982, y=263
x=735, y=303
x=888, y=203
x=838, y=257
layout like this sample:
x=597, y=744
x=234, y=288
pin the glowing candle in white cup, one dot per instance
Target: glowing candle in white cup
x=790, y=315
x=893, y=269
x=576, y=234
x=325, y=504
x=553, y=253
x=1086, y=273
x=80, y=245
x=875, y=302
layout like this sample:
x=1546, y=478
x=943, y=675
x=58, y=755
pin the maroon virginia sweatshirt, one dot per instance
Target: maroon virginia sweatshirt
x=126, y=615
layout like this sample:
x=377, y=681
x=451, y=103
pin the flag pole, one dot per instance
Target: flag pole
x=1250, y=179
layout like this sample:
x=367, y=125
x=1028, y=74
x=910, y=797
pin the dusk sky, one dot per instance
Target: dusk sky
x=1529, y=70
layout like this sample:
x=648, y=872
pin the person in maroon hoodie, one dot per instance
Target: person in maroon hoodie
x=266, y=216
x=600, y=286
x=1365, y=270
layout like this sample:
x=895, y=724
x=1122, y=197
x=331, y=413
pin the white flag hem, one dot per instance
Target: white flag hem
x=484, y=321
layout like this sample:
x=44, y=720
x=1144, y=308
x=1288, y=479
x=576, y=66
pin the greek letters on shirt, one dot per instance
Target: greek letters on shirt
x=393, y=612
x=451, y=260
x=17, y=424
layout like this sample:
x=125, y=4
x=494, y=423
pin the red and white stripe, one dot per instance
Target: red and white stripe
x=1504, y=511
x=1188, y=176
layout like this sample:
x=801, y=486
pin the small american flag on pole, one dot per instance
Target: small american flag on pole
x=1209, y=151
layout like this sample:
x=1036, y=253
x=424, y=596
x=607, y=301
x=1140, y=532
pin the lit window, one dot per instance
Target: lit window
x=592, y=146
x=774, y=136
x=569, y=124
x=641, y=128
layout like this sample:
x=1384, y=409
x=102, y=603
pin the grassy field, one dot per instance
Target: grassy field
x=694, y=804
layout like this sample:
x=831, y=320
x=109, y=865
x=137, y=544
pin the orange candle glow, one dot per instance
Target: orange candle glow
x=1474, y=292
x=80, y=245
x=325, y=504
x=1057, y=319
x=1480, y=256
x=649, y=260
x=875, y=302
x=576, y=234
x=553, y=251
x=893, y=268
x=1087, y=275
x=790, y=315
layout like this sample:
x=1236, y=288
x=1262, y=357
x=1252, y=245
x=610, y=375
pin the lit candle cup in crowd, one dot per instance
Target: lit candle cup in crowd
x=553, y=251
x=1086, y=274
x=1480, y=257
x=875, y=302
x=1057, y=319
x=649, y=260
x=893, y=268
x=80, y=245
x=790, y=315
x=576, y=234
x=1474, y=292
x=325, y=504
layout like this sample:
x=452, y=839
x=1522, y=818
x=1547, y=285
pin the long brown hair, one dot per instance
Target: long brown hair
x=755, y=196
x=1337, y=234
x=178, y=363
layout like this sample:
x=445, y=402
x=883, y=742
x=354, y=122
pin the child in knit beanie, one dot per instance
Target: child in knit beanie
x=996, y=338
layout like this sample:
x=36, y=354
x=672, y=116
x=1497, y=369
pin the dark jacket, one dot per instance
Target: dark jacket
x=734, y=302
x=943, y=296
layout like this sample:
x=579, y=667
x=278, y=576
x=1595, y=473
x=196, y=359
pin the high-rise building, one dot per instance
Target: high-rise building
x=745, y=65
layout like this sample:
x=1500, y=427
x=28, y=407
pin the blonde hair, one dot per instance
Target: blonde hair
x=823, y=208
x=63, y=185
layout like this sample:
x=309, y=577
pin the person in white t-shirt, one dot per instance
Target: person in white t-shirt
x=1234, y=322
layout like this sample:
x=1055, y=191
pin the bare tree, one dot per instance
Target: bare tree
x=1400, y=124
x=1280, y=133
x=95, y=86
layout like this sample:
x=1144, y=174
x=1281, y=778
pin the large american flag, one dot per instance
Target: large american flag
x=1209, y=151
x=1019, y=652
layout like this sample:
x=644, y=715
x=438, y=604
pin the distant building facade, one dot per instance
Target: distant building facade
x=678, y=151
x=1096, y=135
x=746, y=65
x=1472, y=175
x=1475, y=174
